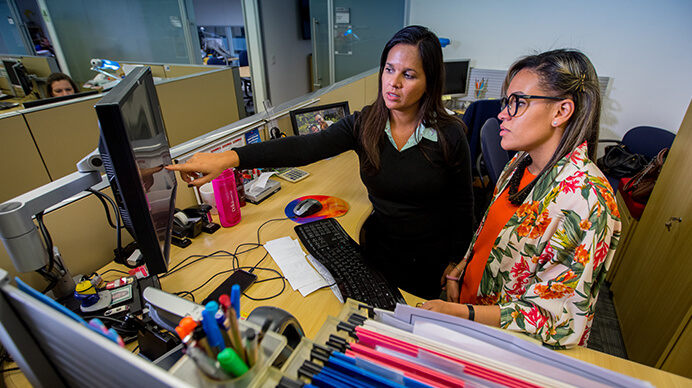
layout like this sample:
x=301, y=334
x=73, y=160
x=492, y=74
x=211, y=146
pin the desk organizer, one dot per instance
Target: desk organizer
x=271, y=346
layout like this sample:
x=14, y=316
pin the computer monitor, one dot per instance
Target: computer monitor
x=52, y=100
x=456, y=77
x=18, y=76
x=134, y=148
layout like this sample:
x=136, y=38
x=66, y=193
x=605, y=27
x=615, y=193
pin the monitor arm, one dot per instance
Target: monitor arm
x=18, y=232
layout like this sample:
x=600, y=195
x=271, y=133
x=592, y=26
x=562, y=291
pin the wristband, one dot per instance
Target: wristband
x=450, y=277
x=472, y=313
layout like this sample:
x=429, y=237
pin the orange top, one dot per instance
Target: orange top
x=499, y=214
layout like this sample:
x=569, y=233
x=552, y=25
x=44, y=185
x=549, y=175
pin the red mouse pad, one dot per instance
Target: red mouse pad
x=331, y=207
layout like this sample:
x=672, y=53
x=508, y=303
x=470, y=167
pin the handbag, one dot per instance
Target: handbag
x=642, y=184
x=618, y=162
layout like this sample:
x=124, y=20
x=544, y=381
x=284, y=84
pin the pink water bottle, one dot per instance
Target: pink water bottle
x=226, y=196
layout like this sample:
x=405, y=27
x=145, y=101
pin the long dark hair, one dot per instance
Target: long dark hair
x=570, y=74
x=59, y=77
x=431, y=113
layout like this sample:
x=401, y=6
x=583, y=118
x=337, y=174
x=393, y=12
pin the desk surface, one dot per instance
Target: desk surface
x=244, y=71
x=337, y=177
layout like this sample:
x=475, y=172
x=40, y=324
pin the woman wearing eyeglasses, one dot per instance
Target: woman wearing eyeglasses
x=540, y=255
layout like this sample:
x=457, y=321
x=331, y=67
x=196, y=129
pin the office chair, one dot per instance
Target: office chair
x=644, y=140
x=216, y=61
x=493, y=155
x=475, y=116
x=242, y=58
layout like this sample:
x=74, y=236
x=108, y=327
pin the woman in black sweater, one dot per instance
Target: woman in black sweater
x=414, y=161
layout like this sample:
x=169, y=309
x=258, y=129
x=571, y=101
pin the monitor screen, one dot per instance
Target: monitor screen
x=134, y=149
x=52, y=100
x=17, y=74
x=456, y=77
x=8, y=64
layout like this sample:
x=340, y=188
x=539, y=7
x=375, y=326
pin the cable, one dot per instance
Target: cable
x=118, y=227
x=103, y=198
x=234, y=267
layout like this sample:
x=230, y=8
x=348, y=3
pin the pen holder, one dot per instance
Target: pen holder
x=226, y=196
x=479, y=92
x=269, y=349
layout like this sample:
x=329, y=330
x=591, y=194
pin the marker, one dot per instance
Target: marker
x=251, y=348
x=185, y=329
x=235, y=299
x=211, y=329
x=231, y=362
x=220, y=318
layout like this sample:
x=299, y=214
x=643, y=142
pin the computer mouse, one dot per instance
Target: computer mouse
x=307, y=207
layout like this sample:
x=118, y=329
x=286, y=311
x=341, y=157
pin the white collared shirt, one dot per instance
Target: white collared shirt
x=421, y=132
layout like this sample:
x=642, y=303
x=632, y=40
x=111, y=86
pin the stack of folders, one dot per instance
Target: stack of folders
x=411, y=347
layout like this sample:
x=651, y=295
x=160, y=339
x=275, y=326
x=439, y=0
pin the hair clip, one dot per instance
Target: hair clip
x=582, y=79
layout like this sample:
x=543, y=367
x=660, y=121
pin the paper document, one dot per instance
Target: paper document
x=290, y=258
x=261, y=181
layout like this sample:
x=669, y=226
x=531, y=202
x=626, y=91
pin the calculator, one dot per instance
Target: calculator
x=293, y=175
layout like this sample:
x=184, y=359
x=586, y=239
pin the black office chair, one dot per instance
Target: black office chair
x=242, y=58
x=216, y=61
x=493, y=155
x=644, y=140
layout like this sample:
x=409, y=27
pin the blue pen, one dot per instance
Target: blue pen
x=235, y=299
x=211, y=329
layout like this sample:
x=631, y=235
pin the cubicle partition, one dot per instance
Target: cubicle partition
x=20, y=157
x=198, y=110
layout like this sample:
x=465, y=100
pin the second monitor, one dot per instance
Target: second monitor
x=456, y=77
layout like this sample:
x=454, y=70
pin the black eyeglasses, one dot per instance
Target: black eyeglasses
x=512, y=102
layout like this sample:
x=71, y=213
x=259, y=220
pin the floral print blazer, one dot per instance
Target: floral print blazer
x=550, y=259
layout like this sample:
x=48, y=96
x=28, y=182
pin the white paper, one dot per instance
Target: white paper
x=289, y=256
x=261, y=181
x=327, y=277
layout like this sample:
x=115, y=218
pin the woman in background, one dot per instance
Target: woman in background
x=59, y=84
x=542, y=251
x=414, y=161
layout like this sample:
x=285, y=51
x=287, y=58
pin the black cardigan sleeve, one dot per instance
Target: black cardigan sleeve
x=296, y=151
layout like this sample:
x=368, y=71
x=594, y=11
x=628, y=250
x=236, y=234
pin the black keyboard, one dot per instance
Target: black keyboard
x=329, y=243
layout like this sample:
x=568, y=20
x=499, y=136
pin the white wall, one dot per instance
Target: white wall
x=218, y=12
x=645, y=46
x=285, y=52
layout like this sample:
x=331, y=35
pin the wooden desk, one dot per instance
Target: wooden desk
x=337, y=177
x=244, y=71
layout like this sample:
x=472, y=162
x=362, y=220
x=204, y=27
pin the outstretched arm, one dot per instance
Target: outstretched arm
x=202, y=167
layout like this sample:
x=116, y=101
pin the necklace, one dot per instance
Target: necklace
x=517, y=197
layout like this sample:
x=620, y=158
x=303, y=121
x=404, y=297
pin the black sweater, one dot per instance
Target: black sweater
x=423, y=207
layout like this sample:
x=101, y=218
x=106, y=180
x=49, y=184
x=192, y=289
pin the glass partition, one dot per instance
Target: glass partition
x=131, y=30
x=349, y=35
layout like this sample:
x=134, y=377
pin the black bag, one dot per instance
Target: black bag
x=618, y=162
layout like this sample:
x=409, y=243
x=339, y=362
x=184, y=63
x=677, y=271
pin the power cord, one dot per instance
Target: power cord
x=234, y=267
